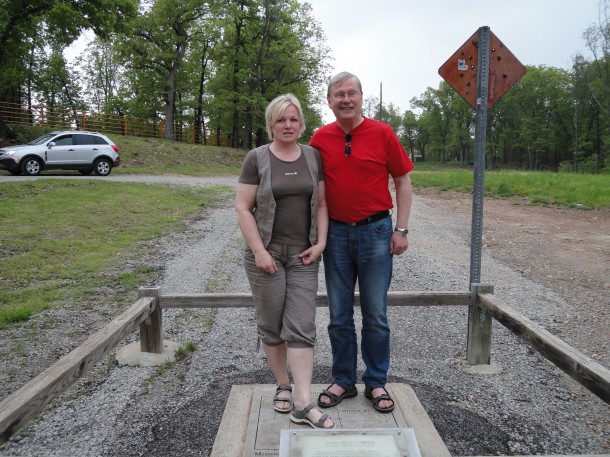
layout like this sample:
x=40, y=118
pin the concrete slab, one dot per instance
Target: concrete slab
x=131, y=355
x=251, y=428
x=492, y=368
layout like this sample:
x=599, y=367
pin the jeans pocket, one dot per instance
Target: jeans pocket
x=383, y=226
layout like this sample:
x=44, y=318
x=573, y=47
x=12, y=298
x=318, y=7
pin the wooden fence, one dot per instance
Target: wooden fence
x=68, y=119
x=24, y=404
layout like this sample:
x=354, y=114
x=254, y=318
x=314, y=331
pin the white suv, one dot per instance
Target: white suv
x=86, y=152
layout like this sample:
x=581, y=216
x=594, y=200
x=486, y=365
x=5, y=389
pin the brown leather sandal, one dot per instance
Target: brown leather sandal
x=368, y=393
x=334, y=398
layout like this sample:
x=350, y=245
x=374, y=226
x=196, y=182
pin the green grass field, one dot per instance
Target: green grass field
x=62, y=239
x=573, y=190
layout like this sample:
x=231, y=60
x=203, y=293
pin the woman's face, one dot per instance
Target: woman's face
x=287, y=128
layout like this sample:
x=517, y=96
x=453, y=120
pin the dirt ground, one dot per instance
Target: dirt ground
x=566, y=249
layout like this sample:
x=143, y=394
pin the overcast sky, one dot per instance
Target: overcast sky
x=402, y=43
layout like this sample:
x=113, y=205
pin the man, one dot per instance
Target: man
x=359, y=154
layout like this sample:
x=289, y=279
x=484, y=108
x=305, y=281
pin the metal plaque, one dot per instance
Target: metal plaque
x=394, y=442
x=460, y=70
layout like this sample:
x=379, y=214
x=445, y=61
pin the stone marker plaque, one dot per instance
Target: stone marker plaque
x=394, y=442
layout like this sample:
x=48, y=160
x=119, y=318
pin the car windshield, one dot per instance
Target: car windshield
x=42, y=139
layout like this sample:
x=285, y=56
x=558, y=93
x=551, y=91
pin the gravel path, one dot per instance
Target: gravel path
x=531, y=407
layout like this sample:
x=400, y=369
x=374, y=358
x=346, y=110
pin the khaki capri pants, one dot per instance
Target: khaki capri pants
x=285, y=302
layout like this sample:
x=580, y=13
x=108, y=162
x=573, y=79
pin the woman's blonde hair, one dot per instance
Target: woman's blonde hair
x=276, y=108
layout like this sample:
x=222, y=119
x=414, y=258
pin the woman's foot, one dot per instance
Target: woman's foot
x=311, y=416
x=282, y=402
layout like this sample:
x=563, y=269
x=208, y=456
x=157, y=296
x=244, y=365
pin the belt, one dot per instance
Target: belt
x=374, y=218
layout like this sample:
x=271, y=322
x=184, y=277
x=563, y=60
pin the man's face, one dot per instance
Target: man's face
x=345, y=100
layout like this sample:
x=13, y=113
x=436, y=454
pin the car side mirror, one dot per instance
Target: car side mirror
x=51, y=144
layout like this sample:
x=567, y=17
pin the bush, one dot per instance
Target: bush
x=588, y=165
x=26, y=133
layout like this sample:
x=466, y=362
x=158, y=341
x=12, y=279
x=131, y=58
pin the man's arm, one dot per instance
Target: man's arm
x=404, y=198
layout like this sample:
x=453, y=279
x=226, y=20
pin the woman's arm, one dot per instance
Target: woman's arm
x=314, y=252
x=245, y=201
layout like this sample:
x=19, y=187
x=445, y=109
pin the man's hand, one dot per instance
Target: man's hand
x=399, y=243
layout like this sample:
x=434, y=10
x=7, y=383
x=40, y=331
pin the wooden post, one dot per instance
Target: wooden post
x=151, y=328
x=479, y=327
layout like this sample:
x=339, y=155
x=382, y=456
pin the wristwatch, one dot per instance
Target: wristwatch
x=402, y=231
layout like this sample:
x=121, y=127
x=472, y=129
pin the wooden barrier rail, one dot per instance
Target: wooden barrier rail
x=244, y=300
x=21, y=406
x=583, y=369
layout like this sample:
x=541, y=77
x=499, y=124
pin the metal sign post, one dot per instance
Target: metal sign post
x=480, y=140
x=484, y=63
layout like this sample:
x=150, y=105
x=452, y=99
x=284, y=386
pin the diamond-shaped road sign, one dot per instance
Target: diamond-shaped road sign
x=460, y=70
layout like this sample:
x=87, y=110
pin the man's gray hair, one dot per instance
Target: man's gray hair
x=340, y=77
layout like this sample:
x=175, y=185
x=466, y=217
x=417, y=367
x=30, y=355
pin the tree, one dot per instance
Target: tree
x=270, y=47
x=597, y=38
x=370, y=106
x=462, y=129
x=588, y=118
x=156, y=45
x=409, y=132
x=59, y=90
x=437, y=103
x=537, y=113
x=59, y=22
x=101, y=73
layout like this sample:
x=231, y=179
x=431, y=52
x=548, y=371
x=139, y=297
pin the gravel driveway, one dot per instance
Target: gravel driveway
x=531, y=407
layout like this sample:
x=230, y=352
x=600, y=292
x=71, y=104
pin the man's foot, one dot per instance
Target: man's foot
x=334, y=394
x=381, y=399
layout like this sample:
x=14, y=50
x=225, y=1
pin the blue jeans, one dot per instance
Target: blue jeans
x=359, y=253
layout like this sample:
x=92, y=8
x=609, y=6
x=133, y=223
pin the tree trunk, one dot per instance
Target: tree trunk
x=247, y=136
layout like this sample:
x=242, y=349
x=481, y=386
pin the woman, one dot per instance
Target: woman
x=281, y=211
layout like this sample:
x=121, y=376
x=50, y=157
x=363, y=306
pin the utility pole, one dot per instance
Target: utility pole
x=381, y=101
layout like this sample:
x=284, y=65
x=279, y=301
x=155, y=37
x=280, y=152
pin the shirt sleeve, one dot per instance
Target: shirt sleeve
x=399, y=162
x=249, y=170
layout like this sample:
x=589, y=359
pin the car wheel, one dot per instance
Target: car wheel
x=86, y=172
x=31, y=166
x=102, y=167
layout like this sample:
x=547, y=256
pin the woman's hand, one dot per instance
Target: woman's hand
x=312, y=254
x=265, y=262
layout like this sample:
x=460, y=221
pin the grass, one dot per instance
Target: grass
x=181, y=353
x=155, y=156
x=572, y=190
x=60, y=238
x=185, y=349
